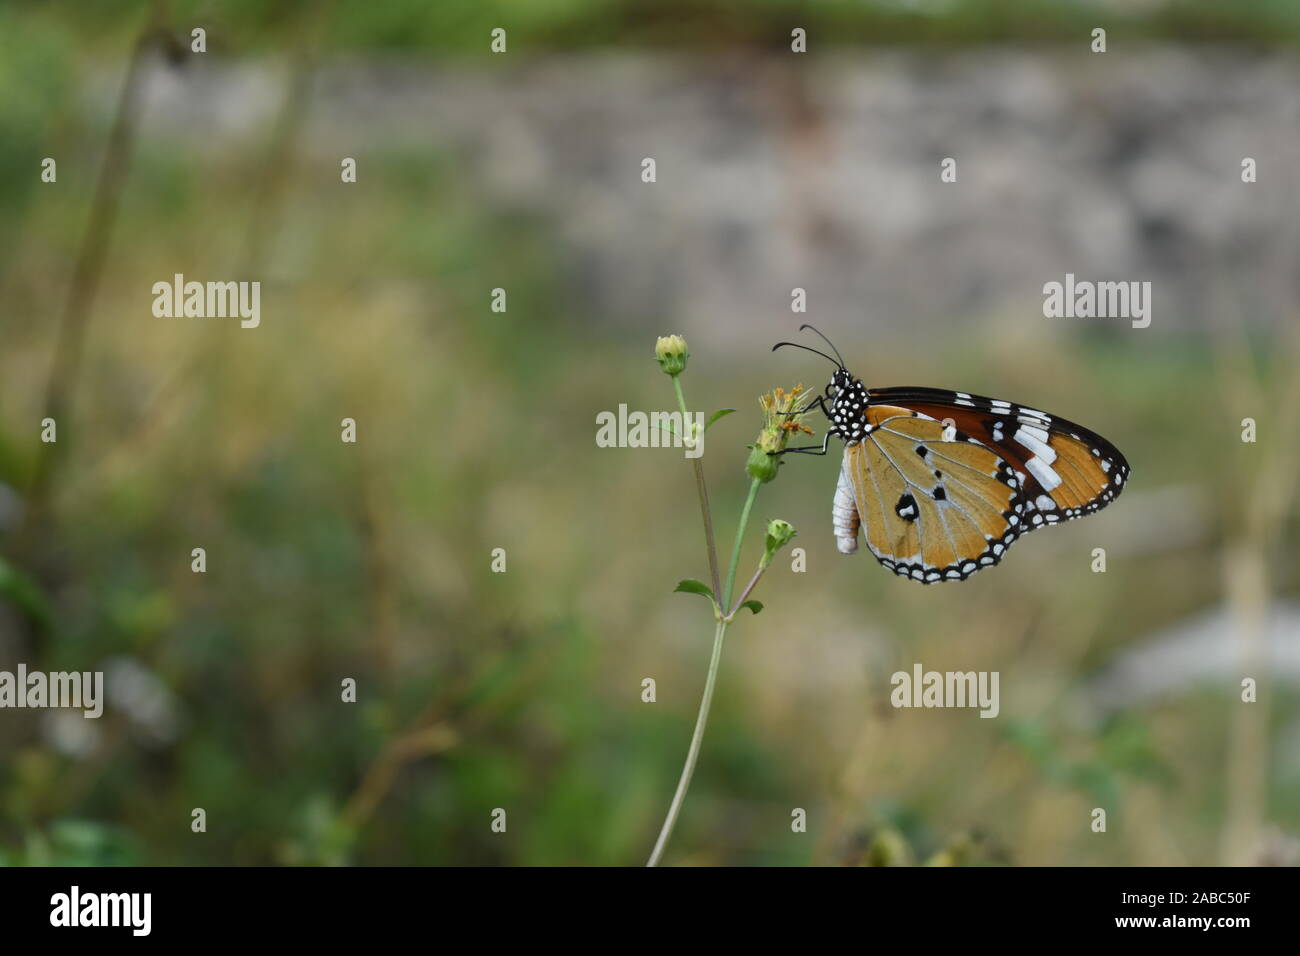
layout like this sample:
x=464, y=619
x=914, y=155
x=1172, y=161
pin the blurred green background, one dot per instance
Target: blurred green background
x=522, y=690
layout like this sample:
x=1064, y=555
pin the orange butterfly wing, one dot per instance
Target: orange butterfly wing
x=935, y=505
x=1067, y=471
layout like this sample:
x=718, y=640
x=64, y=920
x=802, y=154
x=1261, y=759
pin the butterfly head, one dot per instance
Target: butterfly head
x=846, y=394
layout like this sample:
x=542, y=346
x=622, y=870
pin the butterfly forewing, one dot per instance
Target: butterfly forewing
x=935, y=504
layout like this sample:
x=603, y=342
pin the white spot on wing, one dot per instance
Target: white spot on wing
x=1029, y=437
x=1044, y=473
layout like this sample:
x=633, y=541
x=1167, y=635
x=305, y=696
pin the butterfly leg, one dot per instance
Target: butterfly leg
x=817, y=404
x=810, y=449
x=813, y=449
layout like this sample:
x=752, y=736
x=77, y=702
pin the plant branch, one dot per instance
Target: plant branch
x=710, y=544
x=88, y=268
x=749, y=589
x=740, y=538
x=379, y=778
x=667, y=350
x=688, y=769
x=703, y=491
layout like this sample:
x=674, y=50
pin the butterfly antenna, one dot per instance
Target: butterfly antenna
x=807, y=349
x=826, y=340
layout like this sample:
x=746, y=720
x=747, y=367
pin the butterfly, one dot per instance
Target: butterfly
x=942, y=483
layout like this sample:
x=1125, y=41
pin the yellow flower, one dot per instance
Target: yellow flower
x=782, y=417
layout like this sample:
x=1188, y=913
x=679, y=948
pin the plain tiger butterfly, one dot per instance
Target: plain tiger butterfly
x=944, y=482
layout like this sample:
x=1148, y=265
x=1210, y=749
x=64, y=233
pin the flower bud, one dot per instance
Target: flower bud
x=672, y=353
x=779, y=534
x=762, y=465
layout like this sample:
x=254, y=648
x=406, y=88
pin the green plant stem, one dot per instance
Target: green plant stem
x=719, y=634
x=703, y=492
x=681, y=404
x=740, y=538
x=749, y=589
x=688, y=769
x=709, y=543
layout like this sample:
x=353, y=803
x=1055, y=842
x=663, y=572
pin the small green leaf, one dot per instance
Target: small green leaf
x=720, y=413
x=691, y=586
x=754, y=606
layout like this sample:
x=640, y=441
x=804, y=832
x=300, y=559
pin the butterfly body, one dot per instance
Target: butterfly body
x=941, y=483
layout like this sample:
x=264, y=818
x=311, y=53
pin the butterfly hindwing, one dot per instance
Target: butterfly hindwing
x=1067, y=471
x=935, y=504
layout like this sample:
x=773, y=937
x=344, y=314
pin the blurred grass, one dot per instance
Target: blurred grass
x=461, y=27
x=476, y=432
